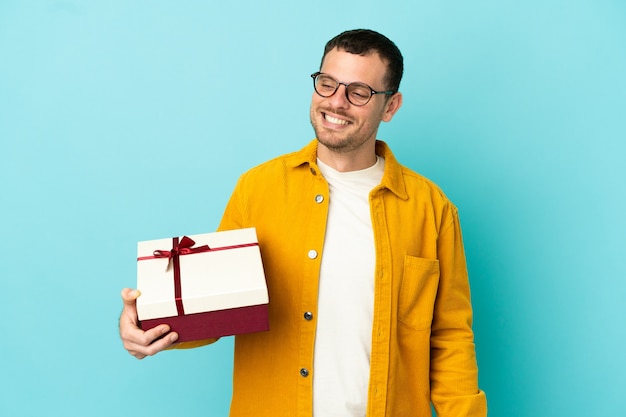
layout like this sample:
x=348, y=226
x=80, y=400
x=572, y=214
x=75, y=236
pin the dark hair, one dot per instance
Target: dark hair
x=365, y=42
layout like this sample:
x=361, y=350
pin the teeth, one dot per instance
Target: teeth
x=335, y=120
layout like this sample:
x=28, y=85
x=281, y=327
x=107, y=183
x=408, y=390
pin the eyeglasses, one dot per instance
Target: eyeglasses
x=357, y=93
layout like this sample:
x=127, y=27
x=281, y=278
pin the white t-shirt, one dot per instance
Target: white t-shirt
x=346, y=296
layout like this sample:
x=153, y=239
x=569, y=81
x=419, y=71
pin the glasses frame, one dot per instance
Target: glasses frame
x=347, y=85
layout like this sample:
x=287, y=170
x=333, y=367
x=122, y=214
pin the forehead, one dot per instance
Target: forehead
x=348, y=68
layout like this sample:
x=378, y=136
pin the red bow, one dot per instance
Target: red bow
x=182, y=248
x=185, y=247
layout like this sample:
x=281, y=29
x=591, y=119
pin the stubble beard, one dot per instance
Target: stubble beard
x=337, y=142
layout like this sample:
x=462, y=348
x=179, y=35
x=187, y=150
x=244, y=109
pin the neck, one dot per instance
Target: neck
x=354, y=160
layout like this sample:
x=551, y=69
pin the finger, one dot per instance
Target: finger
x=140, y=351
x=132, y=335
x=129, y=311
x=153, y=335
x=129, y=322
x=129, y=296
x=137, y=342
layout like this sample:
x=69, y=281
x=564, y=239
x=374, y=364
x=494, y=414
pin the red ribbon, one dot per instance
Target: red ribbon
x=184, y=247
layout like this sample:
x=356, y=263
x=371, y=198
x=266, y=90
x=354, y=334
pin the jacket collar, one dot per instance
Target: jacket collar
x=392, y=177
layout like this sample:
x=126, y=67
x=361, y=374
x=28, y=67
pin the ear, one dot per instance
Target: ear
x=392, y=106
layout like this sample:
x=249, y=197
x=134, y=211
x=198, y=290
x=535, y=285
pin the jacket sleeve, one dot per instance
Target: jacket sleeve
x=454, y=371
x=233, y=214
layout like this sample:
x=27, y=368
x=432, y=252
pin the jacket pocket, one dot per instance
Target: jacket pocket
x=418, y=291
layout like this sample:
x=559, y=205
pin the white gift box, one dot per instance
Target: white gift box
x=203, y=286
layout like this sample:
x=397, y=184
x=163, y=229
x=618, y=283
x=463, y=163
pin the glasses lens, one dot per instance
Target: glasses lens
x=325, y=85
x=359, y=94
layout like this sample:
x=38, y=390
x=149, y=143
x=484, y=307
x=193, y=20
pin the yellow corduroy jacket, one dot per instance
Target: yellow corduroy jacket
x=422, y=341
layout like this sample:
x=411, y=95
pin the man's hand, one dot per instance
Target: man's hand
x=137, y=342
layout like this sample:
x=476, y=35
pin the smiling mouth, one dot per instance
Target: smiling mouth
x=335, y=120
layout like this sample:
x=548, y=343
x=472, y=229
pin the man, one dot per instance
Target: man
x=370, y=308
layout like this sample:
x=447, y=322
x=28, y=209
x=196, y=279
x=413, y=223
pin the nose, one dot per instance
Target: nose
x=340, y=98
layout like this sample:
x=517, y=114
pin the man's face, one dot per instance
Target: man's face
x=339, y=125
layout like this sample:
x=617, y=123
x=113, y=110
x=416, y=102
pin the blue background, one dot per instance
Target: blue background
x=130, y=120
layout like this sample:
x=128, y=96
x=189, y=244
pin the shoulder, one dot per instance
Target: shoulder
x=270, y=169
x=408, y=184
x=419, y=184
x=283, y=165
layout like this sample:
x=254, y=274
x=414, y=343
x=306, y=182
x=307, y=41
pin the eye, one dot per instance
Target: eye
x=326, y=83
x=359, y=92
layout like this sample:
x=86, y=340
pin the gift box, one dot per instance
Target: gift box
x=203, y=286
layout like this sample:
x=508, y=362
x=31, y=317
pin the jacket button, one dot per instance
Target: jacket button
x=308, y=316
x=319, y=198
x=312, y=254
x=304, y=372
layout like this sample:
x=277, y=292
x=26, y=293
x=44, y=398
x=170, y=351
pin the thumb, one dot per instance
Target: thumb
x=129, y=297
